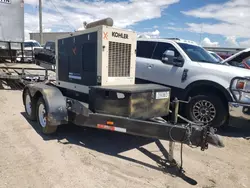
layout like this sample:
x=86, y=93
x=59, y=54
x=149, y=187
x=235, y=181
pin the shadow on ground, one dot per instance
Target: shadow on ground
x=113, y=143
x=10, y=85
x=236, y=132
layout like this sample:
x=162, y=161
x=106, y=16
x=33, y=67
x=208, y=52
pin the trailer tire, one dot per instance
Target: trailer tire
x=42, y=115
x=29, y=105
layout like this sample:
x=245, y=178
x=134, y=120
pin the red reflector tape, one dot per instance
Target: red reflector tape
x=111, y=128
x=100, y=126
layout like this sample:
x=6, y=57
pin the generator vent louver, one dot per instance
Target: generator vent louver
x=119, y=59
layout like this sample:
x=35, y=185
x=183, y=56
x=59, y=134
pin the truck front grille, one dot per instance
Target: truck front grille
x=119, y=59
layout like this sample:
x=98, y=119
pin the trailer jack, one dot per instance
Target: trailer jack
x=208, y=136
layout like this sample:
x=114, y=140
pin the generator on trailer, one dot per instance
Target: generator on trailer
x=95, y=87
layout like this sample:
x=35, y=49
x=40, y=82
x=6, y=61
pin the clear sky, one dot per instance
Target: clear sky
x=209, y=22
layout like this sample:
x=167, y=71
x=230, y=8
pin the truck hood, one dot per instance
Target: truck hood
x=226, y=69
x=238, y=57
x=30, y=48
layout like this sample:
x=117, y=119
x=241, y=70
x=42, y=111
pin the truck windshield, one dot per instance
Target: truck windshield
x=31, y=44
x=196, y=53
x=36, y=44
x=217, y=57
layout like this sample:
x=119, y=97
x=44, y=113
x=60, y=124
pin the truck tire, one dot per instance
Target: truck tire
x=41, y=114
x=208, y=109
x=29, y=106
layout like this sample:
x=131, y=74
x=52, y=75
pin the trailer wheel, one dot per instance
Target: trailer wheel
x=41, y=114
x=29, y=106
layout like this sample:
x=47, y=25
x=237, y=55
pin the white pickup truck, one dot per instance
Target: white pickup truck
x=190, y=71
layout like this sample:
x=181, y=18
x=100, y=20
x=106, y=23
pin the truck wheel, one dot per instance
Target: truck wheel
x=42, y=114
x=29, y=106
x=207, y=109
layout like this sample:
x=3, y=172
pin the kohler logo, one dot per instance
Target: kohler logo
x=120, y=35
x=5, y=1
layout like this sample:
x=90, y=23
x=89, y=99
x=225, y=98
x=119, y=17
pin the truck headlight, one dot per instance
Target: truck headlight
x=240, y=88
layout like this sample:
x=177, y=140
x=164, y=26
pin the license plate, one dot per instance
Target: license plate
x=162, y=95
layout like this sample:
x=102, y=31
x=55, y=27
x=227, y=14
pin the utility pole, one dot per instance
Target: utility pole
x=201, y=33
x=40, y=22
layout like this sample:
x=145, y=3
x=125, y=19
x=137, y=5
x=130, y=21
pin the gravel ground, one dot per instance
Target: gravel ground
x=89, y=158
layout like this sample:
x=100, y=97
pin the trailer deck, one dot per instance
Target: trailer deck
x=25, y=71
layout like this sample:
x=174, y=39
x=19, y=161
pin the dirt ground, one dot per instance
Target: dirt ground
x=89, y=158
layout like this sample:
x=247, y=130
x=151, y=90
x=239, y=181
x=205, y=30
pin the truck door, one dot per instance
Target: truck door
x=144, y=53
x=164, y=73
x=49, y=52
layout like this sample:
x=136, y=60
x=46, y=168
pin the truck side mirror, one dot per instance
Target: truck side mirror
x=168, y=57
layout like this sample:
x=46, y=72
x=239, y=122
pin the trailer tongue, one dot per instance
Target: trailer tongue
x=95, y=87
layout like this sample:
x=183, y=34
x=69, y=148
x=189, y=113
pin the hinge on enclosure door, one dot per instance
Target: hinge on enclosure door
x=99, y=79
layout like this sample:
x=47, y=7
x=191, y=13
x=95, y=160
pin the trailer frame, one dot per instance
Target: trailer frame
x=62, y=109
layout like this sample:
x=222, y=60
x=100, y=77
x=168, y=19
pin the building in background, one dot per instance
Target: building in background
x=47, y=36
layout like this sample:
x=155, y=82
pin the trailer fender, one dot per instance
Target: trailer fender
x=54, y=100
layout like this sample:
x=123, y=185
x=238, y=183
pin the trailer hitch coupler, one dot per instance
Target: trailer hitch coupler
x=214, y=139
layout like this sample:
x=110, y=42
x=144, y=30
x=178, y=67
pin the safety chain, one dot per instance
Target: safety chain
x=188, y=132
x=204, y=143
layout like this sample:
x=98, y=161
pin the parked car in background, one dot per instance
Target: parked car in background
x=29, y=47
x=190, y=71
x=246, y=63
x=31, y=44
x=240, y=59
x=224, y=56
x=216, y=56
x=45, y=57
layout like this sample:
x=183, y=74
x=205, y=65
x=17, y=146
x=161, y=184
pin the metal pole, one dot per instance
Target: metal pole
x=10, y=52
x=201, y=33
x=171, y=152
x=40, y=22
x=46, y=74
x=174, y=120
x=22, y=60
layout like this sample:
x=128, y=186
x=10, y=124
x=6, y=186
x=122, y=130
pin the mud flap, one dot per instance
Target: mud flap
x=54, y=101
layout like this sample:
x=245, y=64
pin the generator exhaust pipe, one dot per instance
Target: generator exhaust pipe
x=106, y=21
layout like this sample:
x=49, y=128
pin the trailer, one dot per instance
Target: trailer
x=21, y=72
x=17, y=75
x=95, y=87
